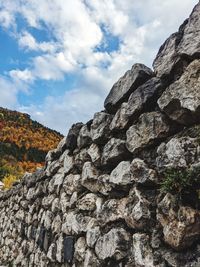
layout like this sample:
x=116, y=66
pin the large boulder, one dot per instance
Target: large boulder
x=113, y=244
x=71, y=140
x=100, y=127
x=75, y=223
x=138, y=210
x=93, y=181
x=179, y=152
x=181, y=100
x=141, y=174
x=87, y=202
x=121, y=175
x=94, y=153
x=143, y=98
x=112, y=210
x=122, y=89
x=114, y=152
x=84, y=137
x=183, y=44
x=81, y=156
x=71, y=183
x=150, y=128
x=181, y=224
x=143, y=253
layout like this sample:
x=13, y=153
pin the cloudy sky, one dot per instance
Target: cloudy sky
x=59, y=58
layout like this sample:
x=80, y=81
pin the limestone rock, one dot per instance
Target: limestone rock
x=54, y=154
x=122, y=175
x=64, y=202
x=181, y=100
x=90, y=259
x=112, y=210
x=80, y=158
x=113, y=244
x=80, y=249
x=88, y=202
x=138, y=210
x=71, y=183
x=181, y=225
x=95, y=154
x=51, y=156
x=47, y=219
x=74, y=223
x=114, y=152
x=183, y=43
x=84, y=137
x=179, y=152
x=100, y=127
x=73, y=200
x=93, y=181
x=92, y=235
x=56, y=183
x=142, y=251
x=89, y=175
x=56, y=224
x=47, y=201
x=51, y=254
x=141, y=174
x=121, y=90
x=59, y=252
x=144, y=97
x=150, y=128
x=68, y=163
x=71, y=141
x=55, y=205
x=52, y=168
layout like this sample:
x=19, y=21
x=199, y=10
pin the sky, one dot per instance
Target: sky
x=60, y=58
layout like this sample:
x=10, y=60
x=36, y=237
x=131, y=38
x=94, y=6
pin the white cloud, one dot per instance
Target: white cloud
x=27, y=41
x=6, y=18
x=61, y=112
x=21, y=75
x=52, y=67
x=110, y=14
x=8, y=91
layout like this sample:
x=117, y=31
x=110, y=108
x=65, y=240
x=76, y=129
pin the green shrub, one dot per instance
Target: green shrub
x=178, y=180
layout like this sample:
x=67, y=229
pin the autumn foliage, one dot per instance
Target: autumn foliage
x=23, y=145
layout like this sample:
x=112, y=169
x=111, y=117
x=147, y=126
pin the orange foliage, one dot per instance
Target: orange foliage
x=29, y=166
x=23, y=143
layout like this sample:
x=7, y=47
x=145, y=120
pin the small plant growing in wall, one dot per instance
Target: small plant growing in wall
x=185, y=183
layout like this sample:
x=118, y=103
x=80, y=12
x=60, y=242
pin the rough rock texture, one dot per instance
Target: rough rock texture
x=122, y=89
x=180, y=47
x=100, y=127
x=150, y=128
x=179, y=152
x=181, y=100
x=181, y=225
x=122, y=190
x=143, y=98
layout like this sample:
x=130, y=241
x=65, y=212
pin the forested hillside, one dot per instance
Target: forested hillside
x=23, y=144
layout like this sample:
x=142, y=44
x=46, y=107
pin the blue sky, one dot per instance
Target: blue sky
x=59, y=58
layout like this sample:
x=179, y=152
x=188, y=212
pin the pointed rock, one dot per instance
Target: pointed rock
x=122, y=89
x=150, y=128
x=100, y=127
x=113, y=244
x=181, y=100
x=183, y=43
x=144, y=97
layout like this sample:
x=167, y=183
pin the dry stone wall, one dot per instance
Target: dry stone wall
x=121, y=190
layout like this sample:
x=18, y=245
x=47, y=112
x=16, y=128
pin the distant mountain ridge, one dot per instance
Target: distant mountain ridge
x=23, y=143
